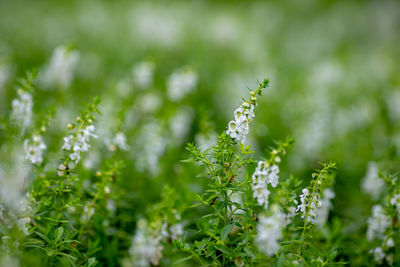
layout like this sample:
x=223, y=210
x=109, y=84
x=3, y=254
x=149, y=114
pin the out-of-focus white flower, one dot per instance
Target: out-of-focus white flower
x=60, y=71
x=326, y=206
x=239, y=128
x=146, y=248
x=23, y=224
x=22, y=109
x=119, y=141
x=205, y=141
x=377, y=223
x=378, y=254
x=180, y=123
x=143, y=73
x=176, y=231
x=180, y=83
x=269, y=231
x=149, y=147
x=262, y=176
x=372, y=184
x=34, y=149
x=390, y=243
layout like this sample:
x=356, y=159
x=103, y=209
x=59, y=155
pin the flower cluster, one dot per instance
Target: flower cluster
x=269, y=231
x=309, y=205
x=377, y=223
x=239, y=128
x=22, y=109
x=146, y=249
x=34, y=149
x=79, y=143
x=180, y=83
x=262, y=176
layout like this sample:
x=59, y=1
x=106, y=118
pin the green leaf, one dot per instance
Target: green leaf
x=226, y=230
x=58, y=233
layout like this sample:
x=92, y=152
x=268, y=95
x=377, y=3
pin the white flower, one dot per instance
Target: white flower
x=22, y=109
x=377, y=223
x=180, y=83
x=378, y=254
x=390, y=243
x=143, y=73
x=372, y=184
x=269, y=232
x=120, y=141
x=262, y=176
x=238, y=129
x=309, y=205
x=326, y=206
x=78, y=144
x=146, y=248
x=34, y=149
x=176, y=231
x=60, y=71
x=395, y=201
x=180, y=123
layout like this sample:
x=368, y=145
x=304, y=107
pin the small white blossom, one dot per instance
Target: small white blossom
x=34, y=149
x=377, y=223
x=372, y=184
x=262, y=176
x=238, y=129
x=181, y=83
x=309, y=205
x=22, y=109
x=146, y=248
x=269, y=232
x=378, y=254
x=78, y=144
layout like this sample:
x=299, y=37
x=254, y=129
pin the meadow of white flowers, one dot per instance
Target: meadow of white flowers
x=209, y=133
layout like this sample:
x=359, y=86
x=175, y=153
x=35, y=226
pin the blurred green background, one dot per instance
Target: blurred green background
x=334, y=68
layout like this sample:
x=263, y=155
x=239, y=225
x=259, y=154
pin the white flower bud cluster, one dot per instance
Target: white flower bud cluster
x=377, y=223
x=262, y=176
x=34, y=149
x=22, y=109
x=60, y=71
x=79, y=143
x=372, y=184
x=269, y=232
x=238, y=129
x=309, y=205
x=181, y=83
x=146, y=249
